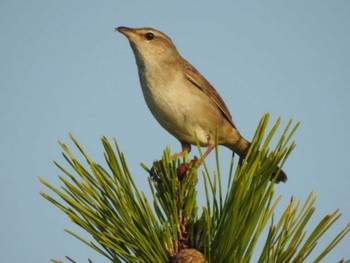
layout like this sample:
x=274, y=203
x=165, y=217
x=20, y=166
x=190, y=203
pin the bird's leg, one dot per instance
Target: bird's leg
x=197, y=162
x=209, y=149
x=182, y=169
x=194, y=163
x=186, y=148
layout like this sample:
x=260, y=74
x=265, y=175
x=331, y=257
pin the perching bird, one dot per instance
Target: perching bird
x=180, y=98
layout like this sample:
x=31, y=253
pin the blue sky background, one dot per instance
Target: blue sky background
x=63, y=69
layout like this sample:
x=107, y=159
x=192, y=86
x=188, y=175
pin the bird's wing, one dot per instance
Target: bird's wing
x=200, y=82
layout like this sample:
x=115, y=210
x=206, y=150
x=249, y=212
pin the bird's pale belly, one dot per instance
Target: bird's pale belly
x=182, y=116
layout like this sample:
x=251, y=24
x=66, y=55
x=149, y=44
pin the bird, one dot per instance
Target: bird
x=180, y=98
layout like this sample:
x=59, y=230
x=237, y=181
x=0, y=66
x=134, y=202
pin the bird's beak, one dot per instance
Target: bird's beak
x=126, y=31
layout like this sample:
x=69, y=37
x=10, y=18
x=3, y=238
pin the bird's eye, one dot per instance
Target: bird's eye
x=149, y=36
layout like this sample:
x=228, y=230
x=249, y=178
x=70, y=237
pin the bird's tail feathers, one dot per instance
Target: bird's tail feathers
x=241, y=147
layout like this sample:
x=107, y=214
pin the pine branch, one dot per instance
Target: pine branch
x=125, y=227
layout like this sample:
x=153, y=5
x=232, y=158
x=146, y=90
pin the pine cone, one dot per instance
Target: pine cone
x=189, y=255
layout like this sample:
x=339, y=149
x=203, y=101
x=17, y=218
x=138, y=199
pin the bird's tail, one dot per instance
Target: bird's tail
x=241, y=147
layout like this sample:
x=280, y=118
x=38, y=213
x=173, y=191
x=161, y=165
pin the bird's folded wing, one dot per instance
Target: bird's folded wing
x=201, y=83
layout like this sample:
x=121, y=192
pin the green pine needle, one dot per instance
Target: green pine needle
x=125, y=227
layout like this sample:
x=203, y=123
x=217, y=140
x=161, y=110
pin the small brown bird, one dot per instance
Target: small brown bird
x=180, y=98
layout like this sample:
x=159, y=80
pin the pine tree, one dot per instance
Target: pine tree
x=126, y=227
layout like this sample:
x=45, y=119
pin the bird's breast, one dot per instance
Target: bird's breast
x=179, y=106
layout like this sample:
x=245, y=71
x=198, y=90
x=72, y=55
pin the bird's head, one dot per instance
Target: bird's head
x=150, y=45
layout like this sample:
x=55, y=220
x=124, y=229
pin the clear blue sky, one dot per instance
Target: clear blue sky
x=63, y=69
